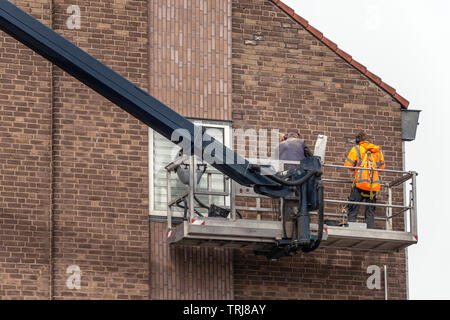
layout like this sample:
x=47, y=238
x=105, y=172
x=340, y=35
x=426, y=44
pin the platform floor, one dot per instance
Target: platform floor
x=367, y=239
x=260, y=234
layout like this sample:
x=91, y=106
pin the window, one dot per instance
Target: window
x=161, y=152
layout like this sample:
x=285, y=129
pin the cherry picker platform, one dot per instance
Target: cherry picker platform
x=235, y=232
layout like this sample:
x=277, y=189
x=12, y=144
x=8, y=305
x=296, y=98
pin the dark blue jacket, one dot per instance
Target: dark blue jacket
x=293, y=149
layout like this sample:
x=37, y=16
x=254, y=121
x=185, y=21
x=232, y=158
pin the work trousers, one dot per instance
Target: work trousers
x=359, y=195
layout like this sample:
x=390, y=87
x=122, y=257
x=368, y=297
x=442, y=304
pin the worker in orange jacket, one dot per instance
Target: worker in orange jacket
x=366, y=183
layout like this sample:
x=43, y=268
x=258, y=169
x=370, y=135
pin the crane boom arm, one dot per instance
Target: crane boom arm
x=111, y=85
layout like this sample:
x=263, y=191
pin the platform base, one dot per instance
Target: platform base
x=260, y=235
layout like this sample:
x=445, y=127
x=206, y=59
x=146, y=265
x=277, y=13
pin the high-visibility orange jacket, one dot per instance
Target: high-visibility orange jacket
x=366, y=155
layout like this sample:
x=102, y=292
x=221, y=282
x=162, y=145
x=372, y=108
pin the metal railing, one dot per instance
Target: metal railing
x=194, y=190
x=232, y=190
x=389, y=186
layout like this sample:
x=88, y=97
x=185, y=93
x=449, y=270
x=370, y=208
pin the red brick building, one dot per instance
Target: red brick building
x=80, y=180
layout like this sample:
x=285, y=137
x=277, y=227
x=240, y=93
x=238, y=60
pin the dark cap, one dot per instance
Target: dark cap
x=293, y=134
x=361, y=136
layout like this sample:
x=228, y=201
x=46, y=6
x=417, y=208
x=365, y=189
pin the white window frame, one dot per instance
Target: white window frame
x=228, y=142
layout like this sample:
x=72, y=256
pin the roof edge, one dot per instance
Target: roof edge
x=334, y=47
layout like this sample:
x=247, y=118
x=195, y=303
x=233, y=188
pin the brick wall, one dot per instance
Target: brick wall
x=75, y=163
x=190, y=67
x=64, y=143
x=284, y=78
x=188, y=273
x=190, y=71
x=25, y=184
x=101, y=160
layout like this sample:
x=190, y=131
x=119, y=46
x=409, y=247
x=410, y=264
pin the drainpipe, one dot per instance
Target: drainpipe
x=385, y=283
x=405, y=219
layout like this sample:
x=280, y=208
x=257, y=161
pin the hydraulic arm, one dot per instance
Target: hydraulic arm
x=118, y=90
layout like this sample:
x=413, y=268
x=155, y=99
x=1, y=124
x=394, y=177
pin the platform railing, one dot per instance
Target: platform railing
x=406, y=176
x=193, y=189
x=232, y=190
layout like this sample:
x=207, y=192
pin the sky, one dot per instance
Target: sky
x=407, y=44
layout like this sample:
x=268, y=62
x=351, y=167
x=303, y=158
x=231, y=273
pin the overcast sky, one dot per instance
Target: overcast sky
x=407, y=44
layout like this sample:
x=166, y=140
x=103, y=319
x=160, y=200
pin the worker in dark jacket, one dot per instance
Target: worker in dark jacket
x=292, y=148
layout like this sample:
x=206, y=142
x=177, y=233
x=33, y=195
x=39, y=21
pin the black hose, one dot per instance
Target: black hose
x=294, y=230
x=204, y=206
x=283, y=218
x=296, y=221
x=296, y=182
x=198, y=213
x=316, y=243
x=185, y=210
